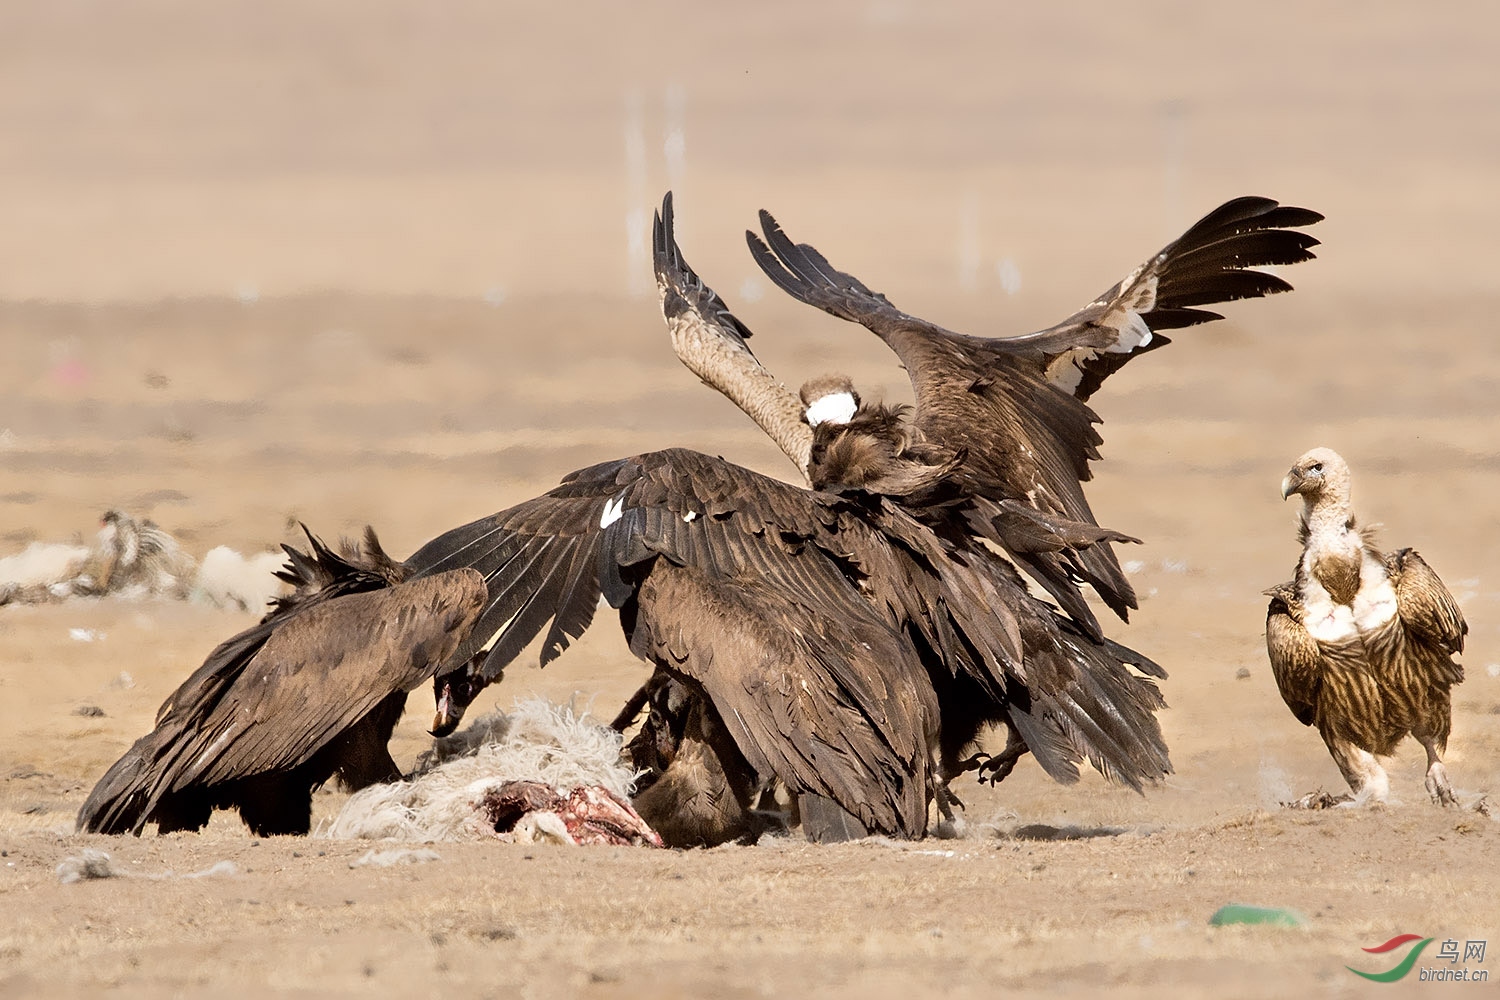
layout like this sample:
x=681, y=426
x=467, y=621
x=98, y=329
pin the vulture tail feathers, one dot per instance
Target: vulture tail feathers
x=1107, y=713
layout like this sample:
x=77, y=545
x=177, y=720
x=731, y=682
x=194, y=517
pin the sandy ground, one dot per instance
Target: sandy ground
x=350, y=265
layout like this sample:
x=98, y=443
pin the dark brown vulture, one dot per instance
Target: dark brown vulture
x=312, y=691
x=1064, y=694
x=1017, y=406
x=1362, y=644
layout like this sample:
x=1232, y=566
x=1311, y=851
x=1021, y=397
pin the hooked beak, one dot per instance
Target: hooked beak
x=454, y=693
x=1291, y=484
x=449, y=713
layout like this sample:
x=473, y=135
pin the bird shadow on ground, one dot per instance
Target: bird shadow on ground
x=1045, y=831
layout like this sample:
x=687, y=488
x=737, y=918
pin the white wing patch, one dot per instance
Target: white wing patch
x=613, y=511
x=1134, y=334
x=834, y=408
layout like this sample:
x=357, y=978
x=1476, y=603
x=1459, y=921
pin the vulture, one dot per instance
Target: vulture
x=1063, y=693
x=312, y=691
x=1362, y=643
x=749, y=596
x=827, y=640
x=1017, y=407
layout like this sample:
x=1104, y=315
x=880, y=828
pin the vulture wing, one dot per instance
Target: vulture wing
x=1017, y=405
x=1424, y=604
x=271, y=697
x=836, y=705
x=1296, y=660
x=1214, y=261
x=711, y=342
x=1026, y=442
x=757, y=604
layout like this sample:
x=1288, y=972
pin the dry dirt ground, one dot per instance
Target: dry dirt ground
x=270, y=263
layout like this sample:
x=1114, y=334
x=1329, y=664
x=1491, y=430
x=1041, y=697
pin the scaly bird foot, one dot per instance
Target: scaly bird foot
x=1438, y=786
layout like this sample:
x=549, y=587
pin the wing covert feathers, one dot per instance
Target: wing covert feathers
x=273, y=696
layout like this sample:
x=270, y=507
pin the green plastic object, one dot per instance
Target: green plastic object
x=1234, y=913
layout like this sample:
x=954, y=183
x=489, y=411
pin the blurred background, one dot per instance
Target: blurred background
x=378, y=262
x=384, y=262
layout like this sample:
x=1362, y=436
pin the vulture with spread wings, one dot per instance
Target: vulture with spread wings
x=1017, y=406
x=1061, y=691
x=748, y=592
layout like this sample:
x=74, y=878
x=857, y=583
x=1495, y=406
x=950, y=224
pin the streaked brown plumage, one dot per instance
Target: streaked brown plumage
x=1362, y=644
x=1017, y=406
x=312, y=691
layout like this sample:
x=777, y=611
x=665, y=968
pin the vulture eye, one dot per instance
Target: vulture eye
x=1316, y=469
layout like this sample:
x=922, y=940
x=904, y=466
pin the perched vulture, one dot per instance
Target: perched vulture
x=1016, y=407
x=312, y=691
x=1362, y=644
x=1061, y=692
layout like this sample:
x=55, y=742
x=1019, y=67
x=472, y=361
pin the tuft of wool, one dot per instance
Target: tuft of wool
x=537, y=741
x=227, y=579
x=91, y=864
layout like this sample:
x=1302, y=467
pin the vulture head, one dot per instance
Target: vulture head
x=1318, y=474
x=870, y=446
x=454, y=692
x=829, y=399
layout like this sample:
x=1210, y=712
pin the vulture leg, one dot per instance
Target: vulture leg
x=997, y=768
x=362, y=755
x=1437, y=775
x=951, y=825
x=276, y=804
x=189, y=809
x=1360, y=769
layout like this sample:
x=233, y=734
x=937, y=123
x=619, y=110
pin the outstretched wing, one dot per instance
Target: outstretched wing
x=1296, y=660
x=1011, y=402
x=549, y=560
x=1212, y=262
x=768, y=561
x=1027, y=444
x=711, y=342
x=1424, y=604
x=272, y=697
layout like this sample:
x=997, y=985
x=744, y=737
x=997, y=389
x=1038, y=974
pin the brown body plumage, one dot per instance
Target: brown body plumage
x=312, y=691
x=1362, y=644
x=746, y=591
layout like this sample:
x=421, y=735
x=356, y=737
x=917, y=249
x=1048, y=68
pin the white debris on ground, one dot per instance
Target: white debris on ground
x=94, y=864
x=538, y=744
x=133, y=559
x=91, y=864
x=399, y=856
